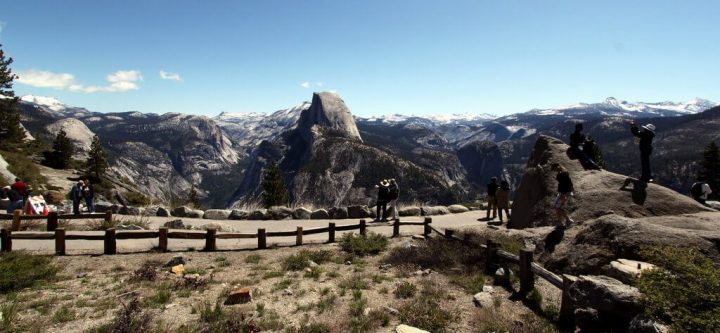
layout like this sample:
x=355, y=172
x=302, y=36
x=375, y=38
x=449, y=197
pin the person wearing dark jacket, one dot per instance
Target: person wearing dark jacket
x=382, y=200
x=578, y=146
x=89, y=195
x=492, y=188
x=646, y=136
x=393, y=195
x=76, y=194
x=565, y=191
x=503, y=199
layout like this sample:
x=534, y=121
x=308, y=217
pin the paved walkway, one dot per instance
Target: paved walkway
x=468, y=219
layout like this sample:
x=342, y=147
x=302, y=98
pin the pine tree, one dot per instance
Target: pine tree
x=62, y=151
x=97, y=160
x=10, y=130
x=710, y=168
x=274, y=191
x=194, y=198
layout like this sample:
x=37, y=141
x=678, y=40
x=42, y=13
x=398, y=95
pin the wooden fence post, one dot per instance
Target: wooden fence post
x=108, y=216
x=6, y=240
x=16, y=220
x=210, y=244
x=298, y=237
x=331, y=232
x=110, y=241
x=262, y=240
x=52, y=221
x=60, y=241
x=163, y=239
x=396, y=228
x=363, y=227
x=527, y=279
x=567, y=309
x=449, y=233
x=426, y=227
x=491, y=254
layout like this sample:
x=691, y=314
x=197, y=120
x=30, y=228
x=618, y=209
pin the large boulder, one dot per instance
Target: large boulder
x=302, y=213
x=320, y=214
x=410, y=211
x=358, y=212
x=338, y=213
x=280, y=213
x=217, y=214
x=239, y=214
x=434, y=210
x=130, y=210
x=597, y=192
x=104, y=206
x=196, y=214
x=181, y=211
x=259, y=214
x=614, y=301
x=162, y=212
x=456, y=209
x=586, y=249
x=150, y=211
x=54, y=197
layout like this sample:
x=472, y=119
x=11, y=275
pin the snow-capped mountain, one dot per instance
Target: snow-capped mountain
x=249, y=129
x=614, y=107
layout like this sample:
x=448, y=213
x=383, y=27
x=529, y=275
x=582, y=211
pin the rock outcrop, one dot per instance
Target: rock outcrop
x=482, y=160
x=327, y=112
x=79, y=134
x=597, y=193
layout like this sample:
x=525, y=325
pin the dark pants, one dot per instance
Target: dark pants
x=585, y=159
x=76, y=206
x=645, y=161
x=383, y=205
x=90, y=203
x=492, y=206
x=500, y=210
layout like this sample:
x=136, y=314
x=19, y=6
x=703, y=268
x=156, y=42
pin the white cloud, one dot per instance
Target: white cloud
x=45, y=79
x=305, y=84
x=170, y=76
x=119, y=81
x=308, y=84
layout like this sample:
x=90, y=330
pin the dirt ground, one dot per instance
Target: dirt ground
x=92, y=288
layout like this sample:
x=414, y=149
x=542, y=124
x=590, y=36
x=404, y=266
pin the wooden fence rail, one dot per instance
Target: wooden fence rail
x=53, y=218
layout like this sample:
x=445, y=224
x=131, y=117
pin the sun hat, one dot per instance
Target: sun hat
x=649, y=127
x=384, y=183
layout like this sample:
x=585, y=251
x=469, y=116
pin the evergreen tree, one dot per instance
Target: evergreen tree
x=62, y=151
x=97, y=160
x=274, y=191
x=10, y=130
x=194, y=198
x=710, y=168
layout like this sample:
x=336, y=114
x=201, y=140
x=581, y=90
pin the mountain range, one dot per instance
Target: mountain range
x=330, y=157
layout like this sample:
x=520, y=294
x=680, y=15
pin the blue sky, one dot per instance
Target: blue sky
x=383, y=57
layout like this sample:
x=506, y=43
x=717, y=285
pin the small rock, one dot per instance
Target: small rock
x=427, y=271
x=488, y=289
x=419, y=273
x=82, y=275
x=239, y=296
x=193, y=277
x=128, y=227
x=177, y=260
x=643, y=324
x=308, y=269
x=348, y=262
x=502, y=277
x=366, y=311
x=418, y=237
x=385, y=266
x=391, y=310
x=174, y=224
x=483, y=300
x=402, y=328
x=178, y=270
x=312, y=264
x=287, y=292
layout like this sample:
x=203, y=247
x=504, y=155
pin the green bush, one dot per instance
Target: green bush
x=299, y=261
x=363, y=245
x=137, y=199
x=405, y=290
x=683, y=291
x=426, y=312
x=20, y=270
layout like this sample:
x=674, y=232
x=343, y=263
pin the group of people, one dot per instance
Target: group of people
x=498, y=199
x=388, y=193
x=82, y=190
x=17, y=193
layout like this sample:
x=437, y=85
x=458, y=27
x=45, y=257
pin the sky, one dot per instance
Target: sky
x=421, y=57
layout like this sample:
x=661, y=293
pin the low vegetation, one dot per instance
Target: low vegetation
x=302, y=259
x=684, y=291
x=427, y=311
x=363, y=245
x=19, y=270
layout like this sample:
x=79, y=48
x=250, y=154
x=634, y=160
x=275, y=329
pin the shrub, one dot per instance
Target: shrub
x=363, y=245
x=20, y=270
x=253, y=259
x=64, y=314
x=438, y=254
x=683, y=291
x=405, y=290
x=426, y=313
x=299, y=261
x=137, y=198
x=129, y=319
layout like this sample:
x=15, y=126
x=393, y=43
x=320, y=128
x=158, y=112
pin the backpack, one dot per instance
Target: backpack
x=696, y=190
x=394, y=193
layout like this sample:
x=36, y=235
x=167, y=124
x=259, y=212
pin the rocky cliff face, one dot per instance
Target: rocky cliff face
x=597, y=193
x=482, y=160
x=327, y=113
x=79, y=134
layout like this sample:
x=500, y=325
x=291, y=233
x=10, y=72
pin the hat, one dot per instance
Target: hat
x=6, y=187
x=384, y=183
x=649, y=127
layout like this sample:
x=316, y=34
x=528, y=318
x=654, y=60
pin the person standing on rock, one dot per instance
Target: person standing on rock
x=565, y=191
x=382, y=200
x=76, y=194
x=393, y=195
x=492, y=188
x=646, y=136
x=578, y=144
x=503, y=200
x=89, y=195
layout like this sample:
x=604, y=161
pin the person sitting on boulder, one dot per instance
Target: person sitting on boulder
x=382, y=200
x=393, y=194
x=503, y=200
x=700, y=191
x=646, y=136
x=492, y=188
x=581, y=148
x=565, y=191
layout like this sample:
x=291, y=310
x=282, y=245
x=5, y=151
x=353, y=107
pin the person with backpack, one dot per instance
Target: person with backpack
x=15, y=200
x=76, y=194
x=382, y=200
x=503, y=200
x=582, y=148
x=646, y=136
x=492, y=188
x=700, y=191
x=393, y=194
x=565, y=191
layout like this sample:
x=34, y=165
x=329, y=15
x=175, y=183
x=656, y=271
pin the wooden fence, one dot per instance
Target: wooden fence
x=53, y=218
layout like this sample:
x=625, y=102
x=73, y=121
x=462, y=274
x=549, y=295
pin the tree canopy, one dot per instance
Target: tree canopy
x=274, y=191
x=10, y=128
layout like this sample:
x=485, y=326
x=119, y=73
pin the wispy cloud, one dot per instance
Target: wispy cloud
x=308, y=84
x=119, y=81
x=170, y=76
x=305, y=84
